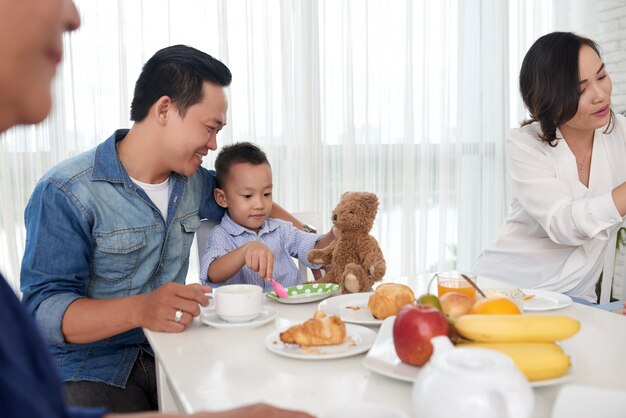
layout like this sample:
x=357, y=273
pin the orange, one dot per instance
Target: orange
x=495, y=306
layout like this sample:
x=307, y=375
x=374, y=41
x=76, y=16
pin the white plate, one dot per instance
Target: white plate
x=267, y=315
x=351, y=307
x=358, y=340
x=545, y=300
x=305, y=293
x=365, y=410
x=577, y=401
x=549, y=382
x=382, y=359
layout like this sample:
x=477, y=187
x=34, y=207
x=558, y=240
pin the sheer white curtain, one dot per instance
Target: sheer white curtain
x=407, y=99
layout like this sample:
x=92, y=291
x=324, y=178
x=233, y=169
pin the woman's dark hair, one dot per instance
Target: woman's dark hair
x=549, y=81
x=239, y=152
x=179, y=72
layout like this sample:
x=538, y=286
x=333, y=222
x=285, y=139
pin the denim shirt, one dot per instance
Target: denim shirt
x=92, y=233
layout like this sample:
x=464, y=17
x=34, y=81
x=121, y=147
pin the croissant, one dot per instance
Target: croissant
x=319, y=330
x=388, y=299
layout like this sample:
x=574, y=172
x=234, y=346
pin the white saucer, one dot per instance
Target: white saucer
x=267, y=315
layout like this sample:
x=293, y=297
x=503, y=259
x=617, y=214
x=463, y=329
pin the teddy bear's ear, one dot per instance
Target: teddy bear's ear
x=370, y=199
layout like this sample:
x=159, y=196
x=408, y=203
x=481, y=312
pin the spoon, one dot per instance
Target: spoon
x=470, y=281
x=278, y=288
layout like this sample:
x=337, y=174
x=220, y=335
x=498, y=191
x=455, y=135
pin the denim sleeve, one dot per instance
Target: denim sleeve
x=299, y=243
x=209, y=209
x=56, y=258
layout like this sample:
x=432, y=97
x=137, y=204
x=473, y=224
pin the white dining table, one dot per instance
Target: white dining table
x=209, y=369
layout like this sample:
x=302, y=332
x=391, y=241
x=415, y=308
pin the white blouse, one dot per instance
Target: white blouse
x=557, y=230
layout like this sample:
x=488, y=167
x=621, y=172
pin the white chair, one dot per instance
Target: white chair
x=314, y=219
x=202, y=236
x=608, y=275
x=309, y=218
x=619, y=269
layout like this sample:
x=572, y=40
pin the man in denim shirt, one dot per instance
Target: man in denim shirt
x=109, y=233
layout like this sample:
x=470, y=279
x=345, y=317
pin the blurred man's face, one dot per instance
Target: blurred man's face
x=31, y=47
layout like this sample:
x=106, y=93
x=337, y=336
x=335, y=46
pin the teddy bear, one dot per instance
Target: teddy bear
x=355, y=259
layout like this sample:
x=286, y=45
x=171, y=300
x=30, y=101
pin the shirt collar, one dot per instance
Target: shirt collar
x=234, y=229
x=107, y=164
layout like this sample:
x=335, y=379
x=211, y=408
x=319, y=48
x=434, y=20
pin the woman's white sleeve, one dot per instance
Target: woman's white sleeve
x=549, y=200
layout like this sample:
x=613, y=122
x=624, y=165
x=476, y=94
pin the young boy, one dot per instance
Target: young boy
x=248, y=246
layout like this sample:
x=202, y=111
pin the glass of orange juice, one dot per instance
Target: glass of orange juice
x=451, y=281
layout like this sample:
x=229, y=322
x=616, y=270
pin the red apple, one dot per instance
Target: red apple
x=415, y=325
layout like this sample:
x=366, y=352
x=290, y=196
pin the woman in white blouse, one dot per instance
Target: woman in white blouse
x=566, y=171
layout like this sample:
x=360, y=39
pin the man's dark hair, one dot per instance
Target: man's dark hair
x=179, y=72
x=549, y=81
x=239, y=152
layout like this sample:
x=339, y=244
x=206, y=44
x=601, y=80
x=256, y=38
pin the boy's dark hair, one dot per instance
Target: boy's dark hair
x=239, y=152
x=549, y=81
x=179, y=72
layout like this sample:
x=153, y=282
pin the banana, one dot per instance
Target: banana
x=514, y=346
x=516, y=328
x=538, y=361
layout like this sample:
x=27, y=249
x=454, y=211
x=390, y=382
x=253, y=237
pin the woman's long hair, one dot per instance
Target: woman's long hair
x=549, y=82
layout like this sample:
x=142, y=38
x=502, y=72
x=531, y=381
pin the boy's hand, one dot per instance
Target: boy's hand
x=259, y=258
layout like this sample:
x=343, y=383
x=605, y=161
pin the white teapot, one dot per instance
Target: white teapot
x=472, y=383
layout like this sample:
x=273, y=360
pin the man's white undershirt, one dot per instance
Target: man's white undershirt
x=158, y=193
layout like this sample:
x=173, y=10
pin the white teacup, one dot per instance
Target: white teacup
x=235, y=302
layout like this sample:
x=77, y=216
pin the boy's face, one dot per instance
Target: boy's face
x=189, y=138
x=247, y=194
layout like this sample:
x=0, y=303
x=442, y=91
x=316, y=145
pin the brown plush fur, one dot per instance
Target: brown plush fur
x=355, y=259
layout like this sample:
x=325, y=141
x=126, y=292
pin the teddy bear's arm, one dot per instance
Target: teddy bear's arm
x=373, y=260
x=322, y=256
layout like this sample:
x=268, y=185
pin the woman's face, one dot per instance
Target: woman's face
x=31, y=47
x=594, y=103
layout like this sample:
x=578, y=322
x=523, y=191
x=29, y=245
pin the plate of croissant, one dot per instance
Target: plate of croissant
x=369, y=308
x=322, y=337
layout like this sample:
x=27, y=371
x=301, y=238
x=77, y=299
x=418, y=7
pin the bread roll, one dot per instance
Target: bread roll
x=389, y=298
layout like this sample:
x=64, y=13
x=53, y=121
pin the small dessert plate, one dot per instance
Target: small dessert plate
x=305, y=293
x=544, y=300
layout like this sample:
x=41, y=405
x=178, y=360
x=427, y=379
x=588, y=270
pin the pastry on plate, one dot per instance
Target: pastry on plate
x=388, y=298
x=319, y=330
